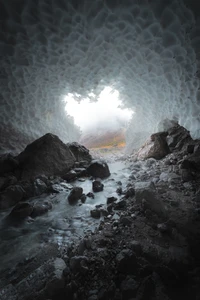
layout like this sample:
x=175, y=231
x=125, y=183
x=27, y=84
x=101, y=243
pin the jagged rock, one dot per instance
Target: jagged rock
x=146, y=191
x=69, y=176
x=78, y=264
x=8, y=163
x=75, y=194
x=80, y=152
x=130, y=192
x=95, y=213
x=119, y=190
x=39, y=187
x=120, y=205
x=156, y=147
x=47, y=155
x=40, y=209
x=129, y=288
x=178, y=137
x=98, y=169
x=83, y=198
x=21, y=211
x=111, y=199
x=126, y=261
x=90, y=195
x=97, y=186
x=12, y=195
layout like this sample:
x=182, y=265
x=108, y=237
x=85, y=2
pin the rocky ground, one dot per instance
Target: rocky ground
x=146, y=246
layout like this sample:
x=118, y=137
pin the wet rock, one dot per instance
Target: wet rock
x=47, y=155
x=146, y=191
x=81, y=172
x=21, y=211
x=111, y=199
x=80, y=152
x=156, y=147
x=136, y=247
x=90, y=195
x=8, y=163
x=98, y=169
x=40, y=187
x=83, y=198
x=71, y=175
x=7, y=181
x=12, y=195
x=130, y=192
x=75, y=194
x=95, y=213
x=126, y=262
x=119, y=190
x=126, y=221
x=78, y=264
x=97, y=186
x=41, y=209
x=128, y=288
x=120, y=205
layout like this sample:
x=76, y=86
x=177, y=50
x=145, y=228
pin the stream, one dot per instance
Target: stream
x=62, y=225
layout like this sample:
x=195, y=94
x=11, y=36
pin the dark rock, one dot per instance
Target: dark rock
x=69, y=176
x=12, y=195
x=83, y=198
x=29, y=189
x=80, y=152
x=130, y=192
x=78, y=264
x=178, y=138
x=136, y=247
x=167, y=275
x=8, y=163
x=81, y=172
x=47, y=155
x=128, y=288
x=40, y=209
x=120, y=205
x=75, y=194
x=39, y=187
x=111, y=199
x=164, y=228
x=7, y=181
x=190, y=148
x=186, y=175
x=119, y=190
x=98, y=169
x=97, y=186
x=90, y=195
x=156, y=147
x=95, y=213
x=126, y=262
x=21, y=210
x=126, y=221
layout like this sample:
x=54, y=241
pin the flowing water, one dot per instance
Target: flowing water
x=62, y=225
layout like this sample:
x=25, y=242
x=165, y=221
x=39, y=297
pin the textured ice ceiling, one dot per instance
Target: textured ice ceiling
x=146, y=50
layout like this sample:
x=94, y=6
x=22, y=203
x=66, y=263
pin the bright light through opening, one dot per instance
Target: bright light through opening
x=106, y=113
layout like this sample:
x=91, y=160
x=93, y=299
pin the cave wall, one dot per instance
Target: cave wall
x=147, y=50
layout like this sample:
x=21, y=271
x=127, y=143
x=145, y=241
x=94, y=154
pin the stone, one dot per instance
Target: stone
x=12, y=195
x=40, y=187
x=136, y=247
x=90, y=195
x=120, y=205
x=75, y=194
x=21, y=210
x=155, y=147
x=119, y=190
x=126, y=221
x=40, y=209
x=78, y=264
x=97, y=186
x=111, y=199
x=146, y=191
x=95, y=213
x=69, y=176
x=98, y=169
x=130, y=192
x=47, y=155
x=80, y=152
x=126, y=261
x=190, y=148
x=178, y=137
x=7, y=181
x=83, y=198
x=128, y=288
x=164, y=228
x=186, y=175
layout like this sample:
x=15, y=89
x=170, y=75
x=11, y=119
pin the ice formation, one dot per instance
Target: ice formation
x=147, y=50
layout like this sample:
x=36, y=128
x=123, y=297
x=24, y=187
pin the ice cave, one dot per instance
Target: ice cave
x=80, y=223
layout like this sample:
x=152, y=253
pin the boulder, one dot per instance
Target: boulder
x=21, y=211
x=95, y=213
x=12, y=195
x=90, y=195
x=47, y=155
x=40, y=209
x=145, y=193
x=178, y=138
x=156, y=147
x=97, y=186
x=98, y=169
x=70, y=176
x=75, y=194
x=80, y=152
x=39, y=187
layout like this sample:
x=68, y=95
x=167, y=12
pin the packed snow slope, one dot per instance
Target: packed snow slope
x=146, y=50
